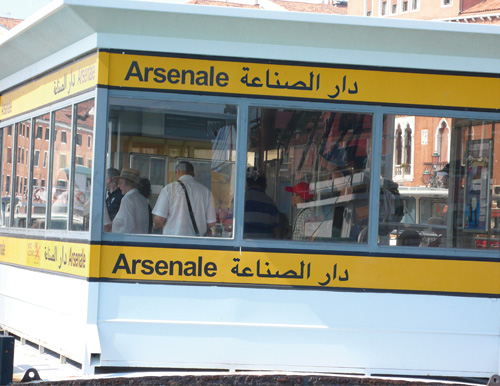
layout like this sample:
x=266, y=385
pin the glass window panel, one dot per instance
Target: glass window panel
x=156, y=138
x=452, y=178
x=22, y=173
x=61, y=163
x=7, y=142
x=83, y=174
x=307, y=175
x=39, y=193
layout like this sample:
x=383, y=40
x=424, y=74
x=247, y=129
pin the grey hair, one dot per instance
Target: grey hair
x=185, y=166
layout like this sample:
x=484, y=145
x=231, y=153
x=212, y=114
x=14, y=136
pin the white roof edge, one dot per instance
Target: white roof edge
x=102, y=34
x=51, y=61
x=152, y=5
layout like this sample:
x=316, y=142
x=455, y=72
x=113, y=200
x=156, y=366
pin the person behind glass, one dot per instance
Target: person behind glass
x=114, y=194
x=145, y=190
x=133, y=216
x=171, y=211
x=300, y=195
x=261, y=213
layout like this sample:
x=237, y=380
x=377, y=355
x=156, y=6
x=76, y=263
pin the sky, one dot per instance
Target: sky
x=21, y=9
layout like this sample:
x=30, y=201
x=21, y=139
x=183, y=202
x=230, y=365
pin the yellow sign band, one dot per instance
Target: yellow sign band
x=336, y=271
x=67, y=81
x=300, y=81
x=304, y=82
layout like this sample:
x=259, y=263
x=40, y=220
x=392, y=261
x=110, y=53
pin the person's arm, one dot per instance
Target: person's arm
x=160, y=211
x=106, y=220
x=158, y=221
x=211, y=216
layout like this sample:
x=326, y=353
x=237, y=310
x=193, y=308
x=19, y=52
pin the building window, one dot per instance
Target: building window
x=7, y=184
x=45, y=158
x=78, y=139
x=63, y=137
x=89, y=141
x=405, y=6
x=443, y=142
x=415, y=5
x=398, y=150
x=62, y=161
x=383, y=8
x=9, y=130
x=47, y=134
x=445, y=3
x=89, y=163
x=26, y=157
x=39, y=132
x=9, y=155
x=79, y=160
x=408, y=145
x=36, y=158
x=368, y=7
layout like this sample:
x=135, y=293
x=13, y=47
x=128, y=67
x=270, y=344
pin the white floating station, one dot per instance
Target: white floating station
x=91, y=84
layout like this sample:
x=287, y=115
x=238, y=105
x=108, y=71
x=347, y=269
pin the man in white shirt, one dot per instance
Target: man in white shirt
x=172, y=212
x=133, y=215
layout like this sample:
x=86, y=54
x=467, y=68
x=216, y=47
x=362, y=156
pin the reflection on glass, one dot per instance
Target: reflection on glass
x=6, y=183
x=22, y=174
x=83, y=165
x=307, y=175
x=155, y=139
x=61, y=162
x=439, y=172
x=40, y=173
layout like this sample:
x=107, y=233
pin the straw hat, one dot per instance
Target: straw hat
x=131, y=175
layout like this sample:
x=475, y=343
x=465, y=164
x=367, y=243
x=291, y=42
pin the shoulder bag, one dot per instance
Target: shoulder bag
x=196, y=232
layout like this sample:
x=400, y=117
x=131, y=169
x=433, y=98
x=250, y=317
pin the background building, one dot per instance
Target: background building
x=477, y=11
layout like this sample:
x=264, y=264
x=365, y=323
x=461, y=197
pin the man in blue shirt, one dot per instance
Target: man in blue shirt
x=261, y=213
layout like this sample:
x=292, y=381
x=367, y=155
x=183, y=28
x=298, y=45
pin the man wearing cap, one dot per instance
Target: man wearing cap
x=171, y=211
x=300, y=195
x=133, y=215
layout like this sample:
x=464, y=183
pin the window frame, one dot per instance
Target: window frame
x=85, y=235
x=243, y=105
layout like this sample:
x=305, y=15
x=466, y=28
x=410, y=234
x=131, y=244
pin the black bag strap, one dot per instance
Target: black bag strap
x=196, y=232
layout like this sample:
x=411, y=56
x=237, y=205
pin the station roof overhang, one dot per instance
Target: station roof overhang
x=66, y=29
